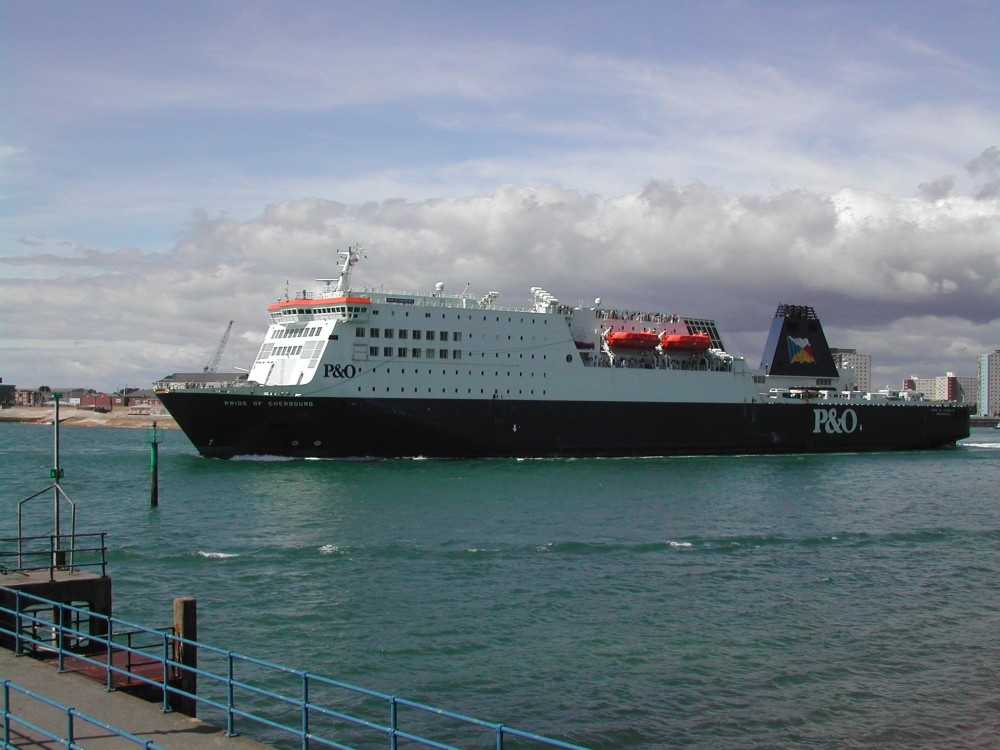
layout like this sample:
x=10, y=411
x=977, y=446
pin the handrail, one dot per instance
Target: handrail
x=69, y=738
x=246, y=689
x=54, y=552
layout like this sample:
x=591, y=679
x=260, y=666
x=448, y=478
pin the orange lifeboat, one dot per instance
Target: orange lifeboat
x=636, y=340
x=685, y=342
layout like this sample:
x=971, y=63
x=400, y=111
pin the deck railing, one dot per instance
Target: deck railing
x=54, y=552
x=240, y=691
x=13, y=719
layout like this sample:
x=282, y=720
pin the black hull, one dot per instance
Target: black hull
x=227, y=425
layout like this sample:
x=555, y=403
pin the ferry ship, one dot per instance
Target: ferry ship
x=357, y=372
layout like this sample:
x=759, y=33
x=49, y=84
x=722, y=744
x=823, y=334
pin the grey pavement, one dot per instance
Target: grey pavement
x=170, y=730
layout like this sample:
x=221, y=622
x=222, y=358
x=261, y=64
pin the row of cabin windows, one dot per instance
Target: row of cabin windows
x=401, y=351
x=351, y=313
x=482, y=373
x=497, y=318
x=388, y=351
x=482, y=391
x=402, y=333
x=284, y=333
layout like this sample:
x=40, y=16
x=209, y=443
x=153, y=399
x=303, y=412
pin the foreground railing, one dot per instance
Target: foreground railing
x=239, y=690
x=12, y=719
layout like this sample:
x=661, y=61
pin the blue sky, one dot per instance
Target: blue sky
x=170, y=166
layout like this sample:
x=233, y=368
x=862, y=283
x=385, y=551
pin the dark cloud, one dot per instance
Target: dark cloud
x=936, y=190
x=987, y=166
x=987, y=163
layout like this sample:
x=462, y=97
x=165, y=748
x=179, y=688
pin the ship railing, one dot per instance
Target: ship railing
x=468, y=301
x=464, y=300
x=249, y=695
x=54, y=553
x=15, y=719
x=214, y=385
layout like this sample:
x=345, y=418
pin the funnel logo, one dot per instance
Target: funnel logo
x=800, y=351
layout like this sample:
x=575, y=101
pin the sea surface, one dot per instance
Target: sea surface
x=838, y=601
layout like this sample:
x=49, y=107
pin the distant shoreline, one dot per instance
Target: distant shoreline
x=74, y=416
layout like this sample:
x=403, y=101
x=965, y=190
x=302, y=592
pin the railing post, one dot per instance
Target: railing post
x=104, y=554
x=499, y=731
x=393, y=717
x=305, y=711
x=17, y=623
x=69, y=727
x=230, y=719
x=54, y=554
x=110, y=656
x=6, y=713
x=165, y=672
x=59, y=636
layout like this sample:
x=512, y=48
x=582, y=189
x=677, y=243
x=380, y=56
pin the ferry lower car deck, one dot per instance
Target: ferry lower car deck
x=224, y=425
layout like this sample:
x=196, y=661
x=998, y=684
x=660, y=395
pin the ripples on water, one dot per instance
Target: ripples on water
x=751, y=602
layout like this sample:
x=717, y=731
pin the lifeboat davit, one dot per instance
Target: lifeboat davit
x=686, y=342
x=641, y=340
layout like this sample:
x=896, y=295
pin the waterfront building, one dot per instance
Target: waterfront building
x=948, y=387
x=7, y=392
x=989, y=384
x=860, y=363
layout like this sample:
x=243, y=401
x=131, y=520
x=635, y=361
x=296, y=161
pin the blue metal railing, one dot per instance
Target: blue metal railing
x=241, y=689
x=12, y=719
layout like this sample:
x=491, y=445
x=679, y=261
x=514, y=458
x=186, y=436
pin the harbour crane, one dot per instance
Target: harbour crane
x=213, y=365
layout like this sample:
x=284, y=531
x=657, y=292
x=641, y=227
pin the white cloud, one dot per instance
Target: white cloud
x=6, y=152
x=866, y=261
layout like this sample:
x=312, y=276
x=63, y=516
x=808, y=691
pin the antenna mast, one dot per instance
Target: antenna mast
x=349, y=257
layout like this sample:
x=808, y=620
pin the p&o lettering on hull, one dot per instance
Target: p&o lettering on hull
x=833, y=423
x=339, y=371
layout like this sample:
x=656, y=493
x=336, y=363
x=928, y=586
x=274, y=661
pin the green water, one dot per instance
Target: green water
x=747, y=602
